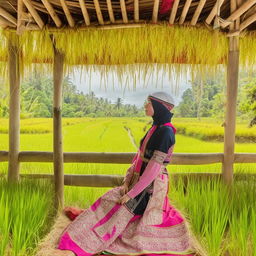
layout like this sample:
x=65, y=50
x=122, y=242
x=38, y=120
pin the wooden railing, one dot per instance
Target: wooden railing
x=122, y=158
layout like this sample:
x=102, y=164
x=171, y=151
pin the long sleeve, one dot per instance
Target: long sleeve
x=150, y=173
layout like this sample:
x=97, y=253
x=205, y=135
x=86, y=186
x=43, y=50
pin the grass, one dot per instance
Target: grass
x=25, y=215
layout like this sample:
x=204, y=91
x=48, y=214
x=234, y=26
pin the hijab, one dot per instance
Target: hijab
x=161, y=114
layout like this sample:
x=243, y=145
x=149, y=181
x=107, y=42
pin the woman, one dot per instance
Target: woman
x=136, y=218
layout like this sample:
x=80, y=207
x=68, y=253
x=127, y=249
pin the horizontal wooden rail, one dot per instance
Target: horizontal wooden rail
x=126, y=158
x=116, y=180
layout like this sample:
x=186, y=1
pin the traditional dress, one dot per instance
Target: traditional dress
x=146, y=224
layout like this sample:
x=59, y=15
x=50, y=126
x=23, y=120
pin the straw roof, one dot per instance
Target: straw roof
x=160, y=31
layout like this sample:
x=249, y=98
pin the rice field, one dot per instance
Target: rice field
x=223, y=220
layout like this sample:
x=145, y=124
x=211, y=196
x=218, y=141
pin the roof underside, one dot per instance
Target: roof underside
x=37, y=14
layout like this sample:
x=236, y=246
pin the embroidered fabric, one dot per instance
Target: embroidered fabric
x=150, y=173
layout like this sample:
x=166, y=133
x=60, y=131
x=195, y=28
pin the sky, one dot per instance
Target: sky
x=112, y=88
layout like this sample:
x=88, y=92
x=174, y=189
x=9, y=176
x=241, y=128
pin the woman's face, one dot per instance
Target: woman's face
x=149, y=110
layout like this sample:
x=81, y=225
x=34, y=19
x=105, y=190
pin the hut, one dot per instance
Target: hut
x=151, y=31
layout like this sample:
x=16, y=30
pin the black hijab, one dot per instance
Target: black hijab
x=161, y=114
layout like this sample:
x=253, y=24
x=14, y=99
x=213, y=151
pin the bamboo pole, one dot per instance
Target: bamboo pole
x=34, y=13
x=57, y=128
x=123, y=10
x=110, y=11
x=98, y=12
x=136, y=11
x=184, y=11
x=213, y=11
x=85, y=12
x=7, y=16
x=52, y=13
x=247, y=22
x=5, y=23
x=230, y=119
x=70, y=19
x=197, y=12
x=14, y=113
x=20, y=22
x=238, y=12
x=155, y=11
x=174, y=11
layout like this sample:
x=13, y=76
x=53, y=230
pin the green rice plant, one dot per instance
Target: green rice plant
x=27, y=207
x=253, y=232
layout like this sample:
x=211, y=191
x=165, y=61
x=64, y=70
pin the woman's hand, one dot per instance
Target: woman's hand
x=125, y=198
x=124, y=189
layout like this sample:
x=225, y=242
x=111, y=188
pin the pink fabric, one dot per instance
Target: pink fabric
x=108, y=216
x=166, y=6
x=108, y=236
x=96, y=205
x=150, y=173
x=66, y=243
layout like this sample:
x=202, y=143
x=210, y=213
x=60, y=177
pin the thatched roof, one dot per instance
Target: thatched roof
x=38, y=14
x=94, y=31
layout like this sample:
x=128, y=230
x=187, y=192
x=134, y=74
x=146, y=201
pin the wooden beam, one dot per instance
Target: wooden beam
x=238, y=12
x=5, y=23
x=52, y=13
x=14, y=112
x=98, y=12
x=155, y=11
x=34, y=13
x=116, y=180
x=21, y=21
x=85, y=12
x=57, y=127
x=214, y=11
x=174, y=11
x=247, y=22
x=110, y=11
x=123, y=10
x=69, y=17
x=184, y=11
x=7, y=16
x=197, y=12
x=136, y=11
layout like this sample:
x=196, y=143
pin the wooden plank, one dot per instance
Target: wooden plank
x=245, y=158
x=197, y=12
x=116, y=180
x=70, y=19
x=238, y=12
x=174, y=11
x=155, y=11
x=14, y=113
x=247, y=22
x=3, y=156
x=136, y=11
x=110, y=11
x=52, y=13
x=98, y=12
x=214, y=11
x=8, y=16
x=57, y=128
x=34, y=13
x=123, y=10
x=85, y=12
x=184, y=11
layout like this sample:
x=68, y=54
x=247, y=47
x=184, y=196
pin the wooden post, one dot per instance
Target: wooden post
x=14, y=113
x=230, y=120
x=57, y=128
